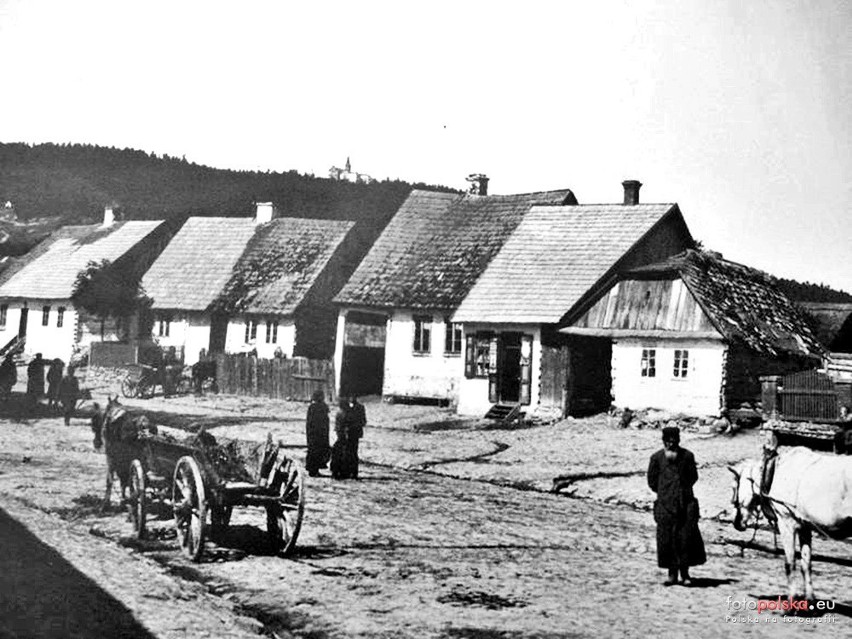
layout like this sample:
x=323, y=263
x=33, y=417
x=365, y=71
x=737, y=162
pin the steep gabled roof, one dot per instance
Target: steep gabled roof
x=50, y=269
x=280, y=264
x=436, y=246
x=554, y=257
x=194, y=268
x=234, y=265
x=743, y=304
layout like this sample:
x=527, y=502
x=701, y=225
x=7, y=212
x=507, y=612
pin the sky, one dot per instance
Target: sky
x=738, y=111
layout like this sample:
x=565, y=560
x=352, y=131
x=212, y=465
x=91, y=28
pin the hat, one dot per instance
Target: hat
x=671, y=433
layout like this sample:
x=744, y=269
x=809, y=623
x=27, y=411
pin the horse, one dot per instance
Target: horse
x=118, y=430
x=203, y=371
x=802, y=491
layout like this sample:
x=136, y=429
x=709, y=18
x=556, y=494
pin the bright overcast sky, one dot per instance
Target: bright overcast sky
x=739, y=111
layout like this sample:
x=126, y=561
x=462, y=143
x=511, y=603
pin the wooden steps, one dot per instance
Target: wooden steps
x=505, y=413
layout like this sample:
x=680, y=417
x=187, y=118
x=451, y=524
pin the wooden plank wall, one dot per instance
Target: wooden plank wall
x=647, y=305
x=293, y=379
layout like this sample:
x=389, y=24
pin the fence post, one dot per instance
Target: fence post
x=769, y=395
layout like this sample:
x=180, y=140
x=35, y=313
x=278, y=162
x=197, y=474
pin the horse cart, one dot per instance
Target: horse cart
x=200, y=476
x=141, y=381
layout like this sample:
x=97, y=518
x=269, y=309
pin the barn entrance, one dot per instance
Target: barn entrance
x=589, y=385
x=362, y=370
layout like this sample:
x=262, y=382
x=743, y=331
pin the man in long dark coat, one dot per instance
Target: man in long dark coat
x=316, y=430
x=671, y=474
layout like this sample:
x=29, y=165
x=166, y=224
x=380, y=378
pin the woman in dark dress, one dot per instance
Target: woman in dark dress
x=316, y=429
x=349, y=428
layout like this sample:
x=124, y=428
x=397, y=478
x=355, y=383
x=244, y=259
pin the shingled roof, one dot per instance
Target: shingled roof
x=50, y=269
x=436, y=246
x=235, y=265
x=554, y=257
x=744, y=304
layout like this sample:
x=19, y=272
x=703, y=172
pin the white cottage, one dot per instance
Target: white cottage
x=693, y=334
x=395, y=333
x=263, y=284
x=35, y=290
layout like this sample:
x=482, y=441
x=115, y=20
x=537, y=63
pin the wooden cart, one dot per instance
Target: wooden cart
x=204, y=477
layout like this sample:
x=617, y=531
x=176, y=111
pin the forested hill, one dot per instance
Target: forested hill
x=71, y=184
x=807, y=292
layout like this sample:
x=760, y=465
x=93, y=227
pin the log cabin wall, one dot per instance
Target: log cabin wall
x=744, y=367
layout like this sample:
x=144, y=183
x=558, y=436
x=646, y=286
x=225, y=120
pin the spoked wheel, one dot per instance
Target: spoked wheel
x=220, y=517
x=136, y=499
x=129, y=388
x=284, y=518
x=190, y=507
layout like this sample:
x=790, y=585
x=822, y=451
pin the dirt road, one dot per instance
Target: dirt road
x=411, y=553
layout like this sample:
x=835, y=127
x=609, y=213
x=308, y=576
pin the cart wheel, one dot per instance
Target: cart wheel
x=284, y=519
x=136, y=498
x=220, y=517
x=190, y=507
x=129, y=388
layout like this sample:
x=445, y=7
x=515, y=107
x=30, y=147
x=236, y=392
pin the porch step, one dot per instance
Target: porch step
x=503, y=412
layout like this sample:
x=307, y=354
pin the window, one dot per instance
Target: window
x=60, y=316
x=271, y=331
x=251, y=331
x=649, y=362
x=478, y=355
x=422, y=334
x=3, y=310
x=163, y=326
x=45, y=316
x=681, y=363
x=452, y=337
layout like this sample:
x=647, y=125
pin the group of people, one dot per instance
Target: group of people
x=349, y=423
x=63, y=389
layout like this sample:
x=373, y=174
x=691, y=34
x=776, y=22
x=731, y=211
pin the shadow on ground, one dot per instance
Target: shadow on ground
x=42, y=595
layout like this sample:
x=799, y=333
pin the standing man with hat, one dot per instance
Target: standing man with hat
x=671, y=474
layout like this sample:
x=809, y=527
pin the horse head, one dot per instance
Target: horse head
x=102, y=418
x=746, y=497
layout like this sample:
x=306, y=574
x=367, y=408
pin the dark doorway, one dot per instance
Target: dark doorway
x=218, y=333
x=590, y=375
x=363, y=367
x=22, y=326
x=510, y=370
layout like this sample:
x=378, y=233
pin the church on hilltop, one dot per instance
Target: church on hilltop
x=346, y=174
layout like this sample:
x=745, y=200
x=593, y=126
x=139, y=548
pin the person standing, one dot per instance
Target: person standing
x=8, y=377
x=671, y=475
x=69, y=392
x=35, y=379
x=316, y=430
x=349, y=428
x=54, y=376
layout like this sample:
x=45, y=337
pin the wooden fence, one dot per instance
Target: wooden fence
x=295, y=378
x=805, y=396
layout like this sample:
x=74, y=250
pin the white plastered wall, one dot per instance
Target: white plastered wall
x=698, y=394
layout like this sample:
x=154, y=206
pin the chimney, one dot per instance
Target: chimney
x=478, y=184
x=109, y=216
x=631, y=191
x=266, y=212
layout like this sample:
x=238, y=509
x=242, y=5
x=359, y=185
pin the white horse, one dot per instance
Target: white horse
x=808, y=491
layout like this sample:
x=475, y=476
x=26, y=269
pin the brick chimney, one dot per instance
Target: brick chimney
x=631, y=191
x=109, y=216
x=478, y=184
x=265, y=212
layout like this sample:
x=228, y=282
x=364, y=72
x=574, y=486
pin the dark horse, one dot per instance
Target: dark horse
x=117, y=430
